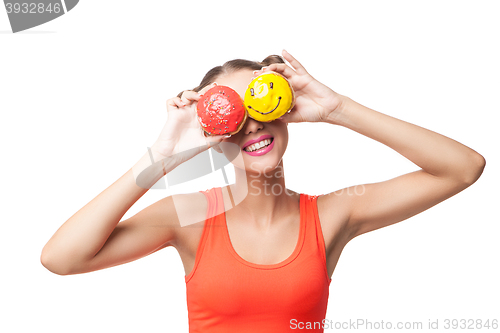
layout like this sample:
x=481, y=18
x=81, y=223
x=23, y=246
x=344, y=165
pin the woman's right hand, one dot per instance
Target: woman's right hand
x=182, y=136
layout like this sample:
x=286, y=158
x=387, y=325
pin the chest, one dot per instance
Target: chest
x=259, y=246
x=240, y=289
x=264, y=245
x=294, y=282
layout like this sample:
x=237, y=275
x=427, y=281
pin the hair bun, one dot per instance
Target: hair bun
x=272, y=59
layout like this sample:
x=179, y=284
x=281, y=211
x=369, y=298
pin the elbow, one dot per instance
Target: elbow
x=53, y=265
x=475, y=169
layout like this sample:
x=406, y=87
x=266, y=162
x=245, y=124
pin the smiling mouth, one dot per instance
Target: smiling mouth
x=279, y=100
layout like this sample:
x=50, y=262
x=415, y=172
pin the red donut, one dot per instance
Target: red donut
x=221, y=111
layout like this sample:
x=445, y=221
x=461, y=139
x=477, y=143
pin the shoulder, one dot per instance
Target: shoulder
x=190, y=207
x=333, y=212
x=191, y=211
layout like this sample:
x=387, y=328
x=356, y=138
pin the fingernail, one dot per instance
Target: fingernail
x=264, y=68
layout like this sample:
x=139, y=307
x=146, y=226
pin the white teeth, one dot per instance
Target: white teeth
x=258, y=145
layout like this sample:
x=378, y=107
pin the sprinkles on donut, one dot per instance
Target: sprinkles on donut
x=221, y=111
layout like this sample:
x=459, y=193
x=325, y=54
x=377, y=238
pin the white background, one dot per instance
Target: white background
x=82, y=97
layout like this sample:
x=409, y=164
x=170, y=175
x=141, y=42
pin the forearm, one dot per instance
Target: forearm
x=85, y=233
x=434, y=153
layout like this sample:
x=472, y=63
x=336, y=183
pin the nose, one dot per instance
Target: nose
x=252, y=126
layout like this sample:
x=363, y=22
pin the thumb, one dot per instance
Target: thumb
x=215, y=139
x=290, y=117
x=205, y=89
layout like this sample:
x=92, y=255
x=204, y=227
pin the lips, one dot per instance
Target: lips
x=260, y=138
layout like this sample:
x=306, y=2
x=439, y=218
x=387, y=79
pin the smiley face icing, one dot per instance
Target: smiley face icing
x=268, y=97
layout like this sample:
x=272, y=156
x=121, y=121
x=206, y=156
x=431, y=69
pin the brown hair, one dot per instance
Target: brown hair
x=233, y=66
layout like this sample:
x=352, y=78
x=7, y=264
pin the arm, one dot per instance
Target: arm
x=447, y=167
x=93, y=239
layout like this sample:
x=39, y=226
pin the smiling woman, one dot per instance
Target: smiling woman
x=256, y=259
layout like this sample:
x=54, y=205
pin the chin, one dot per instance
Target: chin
x=264, y=165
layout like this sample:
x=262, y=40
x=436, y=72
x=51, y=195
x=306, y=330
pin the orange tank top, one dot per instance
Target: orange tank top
x=226, y=293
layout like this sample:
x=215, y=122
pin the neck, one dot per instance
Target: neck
x=259, y=197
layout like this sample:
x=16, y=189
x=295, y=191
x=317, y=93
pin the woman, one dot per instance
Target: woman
x=258, y=257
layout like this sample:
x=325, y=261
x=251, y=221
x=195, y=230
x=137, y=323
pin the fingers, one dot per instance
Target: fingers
x=190, y=96
x=294, y=62
x=187, y=97
x=175, y=102
x=214, y=140
x=282, y=69
x=291, y=117
x=210, y=86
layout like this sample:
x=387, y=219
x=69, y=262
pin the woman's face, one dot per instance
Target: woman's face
x=255, y=162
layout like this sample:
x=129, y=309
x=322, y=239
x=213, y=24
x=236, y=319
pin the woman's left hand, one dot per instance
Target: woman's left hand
x=314, y=102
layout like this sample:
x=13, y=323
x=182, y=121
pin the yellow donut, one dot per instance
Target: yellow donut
x=268, y=97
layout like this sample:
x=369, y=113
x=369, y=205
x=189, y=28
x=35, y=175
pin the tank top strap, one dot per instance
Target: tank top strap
x=314, y=234
x=215, y=206
x=215, y=202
